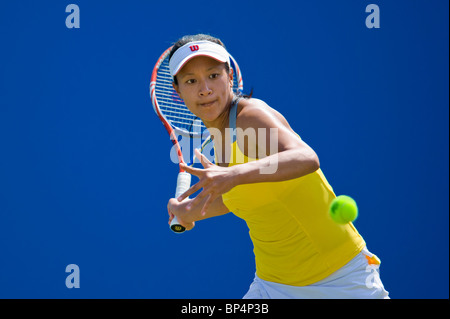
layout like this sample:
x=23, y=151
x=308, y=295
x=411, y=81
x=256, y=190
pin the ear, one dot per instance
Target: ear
x=231, y=75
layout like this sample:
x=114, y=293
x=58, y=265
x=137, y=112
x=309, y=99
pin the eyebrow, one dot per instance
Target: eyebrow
x=190, y=73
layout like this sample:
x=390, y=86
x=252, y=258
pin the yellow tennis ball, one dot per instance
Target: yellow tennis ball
x=343, y=209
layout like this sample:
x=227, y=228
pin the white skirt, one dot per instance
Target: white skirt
x=358, y=279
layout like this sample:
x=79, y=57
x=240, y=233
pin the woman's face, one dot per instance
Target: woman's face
x=206, y=88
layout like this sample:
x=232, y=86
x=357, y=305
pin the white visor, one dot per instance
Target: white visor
x=193, y=49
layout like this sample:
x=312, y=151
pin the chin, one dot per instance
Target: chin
x=208, y=118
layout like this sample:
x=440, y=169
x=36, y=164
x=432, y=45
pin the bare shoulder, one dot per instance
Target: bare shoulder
x=251, y=105
x=256, y=113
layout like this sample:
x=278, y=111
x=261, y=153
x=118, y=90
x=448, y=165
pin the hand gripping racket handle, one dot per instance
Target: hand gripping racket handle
x=183, y=184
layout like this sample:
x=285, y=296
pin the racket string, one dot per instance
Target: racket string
x=172, y=106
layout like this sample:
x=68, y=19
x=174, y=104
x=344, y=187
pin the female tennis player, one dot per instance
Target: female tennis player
x=280, y=192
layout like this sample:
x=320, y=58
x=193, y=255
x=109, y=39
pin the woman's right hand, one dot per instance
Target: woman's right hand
x=178, y=209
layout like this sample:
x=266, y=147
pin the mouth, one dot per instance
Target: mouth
x=207, y=103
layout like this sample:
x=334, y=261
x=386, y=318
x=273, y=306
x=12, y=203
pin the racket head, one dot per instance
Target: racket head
x=171, y=110
x=168, y=105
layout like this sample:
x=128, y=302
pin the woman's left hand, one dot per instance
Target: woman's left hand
x=214, y=180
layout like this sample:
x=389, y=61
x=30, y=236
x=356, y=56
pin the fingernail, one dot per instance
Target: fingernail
x=188, y=207
x=203, y=213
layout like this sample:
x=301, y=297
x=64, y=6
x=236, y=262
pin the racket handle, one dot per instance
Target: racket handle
x=183, y=184
x=176, y=227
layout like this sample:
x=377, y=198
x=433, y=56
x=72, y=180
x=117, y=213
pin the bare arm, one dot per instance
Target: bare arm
x=292, y=158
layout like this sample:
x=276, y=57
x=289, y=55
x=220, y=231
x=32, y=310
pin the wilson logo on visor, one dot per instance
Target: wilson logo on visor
x=194, y=48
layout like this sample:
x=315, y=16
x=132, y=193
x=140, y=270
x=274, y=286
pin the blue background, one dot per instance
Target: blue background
x=85, y=173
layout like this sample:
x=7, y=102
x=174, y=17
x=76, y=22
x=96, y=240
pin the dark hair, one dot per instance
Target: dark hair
x=200, y=37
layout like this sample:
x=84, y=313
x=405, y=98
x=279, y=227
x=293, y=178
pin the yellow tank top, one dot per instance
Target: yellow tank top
x=295, y=241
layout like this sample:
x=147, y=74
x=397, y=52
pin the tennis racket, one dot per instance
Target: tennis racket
x=179, y=121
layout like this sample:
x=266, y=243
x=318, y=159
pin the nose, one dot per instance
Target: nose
x=204, y=89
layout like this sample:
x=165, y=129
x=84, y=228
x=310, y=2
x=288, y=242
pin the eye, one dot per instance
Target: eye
x=214, y=75
x=190, y=81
